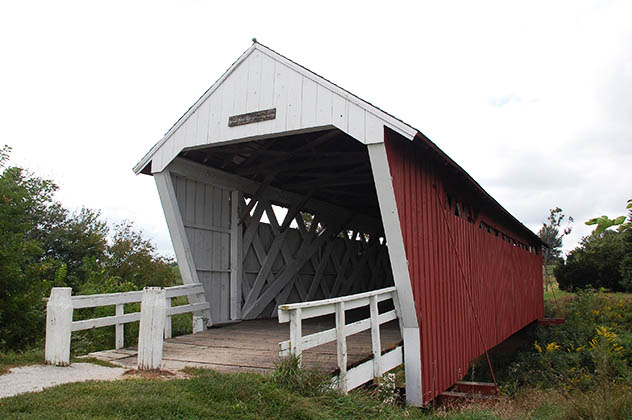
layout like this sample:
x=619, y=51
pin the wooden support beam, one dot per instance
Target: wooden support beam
x=266, y=267
x=251, y=230
x=202, y=173
x=292, y=154
x=256, y=196
x=236, y=257
x=303, y=255
x=341, y=268
x=318, y=275
x=356, y=175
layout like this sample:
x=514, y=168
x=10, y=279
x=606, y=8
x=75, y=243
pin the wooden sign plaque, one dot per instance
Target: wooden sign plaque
x=252, y=117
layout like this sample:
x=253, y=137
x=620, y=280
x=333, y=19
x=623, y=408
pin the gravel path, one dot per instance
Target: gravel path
x=37, y=377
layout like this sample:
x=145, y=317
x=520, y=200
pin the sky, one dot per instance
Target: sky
x=533, y=99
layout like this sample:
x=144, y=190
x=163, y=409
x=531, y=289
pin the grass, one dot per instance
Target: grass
x=13, y=359
x=207, y=395
x=36, y=357
x=211, y=395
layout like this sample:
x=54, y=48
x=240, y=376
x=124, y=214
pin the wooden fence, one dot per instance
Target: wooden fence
x=348, y=379
x=155, y=319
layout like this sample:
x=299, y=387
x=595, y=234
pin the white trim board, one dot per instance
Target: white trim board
x=408, y=318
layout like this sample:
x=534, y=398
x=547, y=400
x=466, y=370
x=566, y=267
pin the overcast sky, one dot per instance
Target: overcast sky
x=533, y=100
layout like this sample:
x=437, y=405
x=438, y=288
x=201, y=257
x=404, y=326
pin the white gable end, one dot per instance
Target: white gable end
x=262, y=79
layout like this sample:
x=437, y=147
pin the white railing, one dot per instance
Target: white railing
x=352, y=378
x=155, y=303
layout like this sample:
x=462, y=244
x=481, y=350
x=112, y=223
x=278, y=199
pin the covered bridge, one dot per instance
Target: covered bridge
x=280, y=187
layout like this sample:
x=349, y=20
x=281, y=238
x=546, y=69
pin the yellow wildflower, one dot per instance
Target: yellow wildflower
x=552, y=346
x=538, y=347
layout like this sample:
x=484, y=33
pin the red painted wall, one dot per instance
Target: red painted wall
x=459, y=271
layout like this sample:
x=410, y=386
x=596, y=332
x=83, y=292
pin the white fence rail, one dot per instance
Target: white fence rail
x=60, y=307
x=352, y=378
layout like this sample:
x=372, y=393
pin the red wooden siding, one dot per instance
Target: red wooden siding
x=459, y=271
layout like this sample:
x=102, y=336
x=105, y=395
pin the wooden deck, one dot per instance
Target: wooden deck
x=253, y=346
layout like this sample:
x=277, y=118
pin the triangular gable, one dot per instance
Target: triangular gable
x=262, y=79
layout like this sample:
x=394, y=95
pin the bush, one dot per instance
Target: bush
x=596, y=263
x=590, y=351
x=306, y=382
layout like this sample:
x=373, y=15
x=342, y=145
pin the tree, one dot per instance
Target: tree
x=72, y=239
x=550, y=234
x=23, y=200
x=625, y=228
x=43, y=245
x=595, y=263
x=134, y=259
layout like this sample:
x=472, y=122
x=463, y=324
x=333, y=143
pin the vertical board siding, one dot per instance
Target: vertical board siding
x=461, y=275
x=205, y=212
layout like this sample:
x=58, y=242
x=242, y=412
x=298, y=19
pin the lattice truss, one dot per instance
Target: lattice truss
x=285, y=262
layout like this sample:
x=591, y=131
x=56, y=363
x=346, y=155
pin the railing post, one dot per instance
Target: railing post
x=375, y=337
x=153, y=309
x=119, y=328
x=398, y=311
x=168, y=320
x=341, y=345
x=296, y=334
x=58, y=326
x=200, y=319
x=198, y=323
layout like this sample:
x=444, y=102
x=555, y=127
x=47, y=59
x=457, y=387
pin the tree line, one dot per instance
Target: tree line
x=45, y=245
x=603, y=259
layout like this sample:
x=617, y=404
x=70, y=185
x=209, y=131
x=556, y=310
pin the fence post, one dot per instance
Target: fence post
x=375, y=337
x=199, y=323
x=168, y=320
x=58, y=327
x=153, y=309
x=296, y=334
x=341, y=345
x=119, y=328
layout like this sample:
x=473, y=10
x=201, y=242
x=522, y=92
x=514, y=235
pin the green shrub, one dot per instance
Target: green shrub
x=595, y=263
x=590, y=351
x=306, y=382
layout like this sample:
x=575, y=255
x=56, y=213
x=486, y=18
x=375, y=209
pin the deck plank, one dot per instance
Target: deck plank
x=253, y=346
